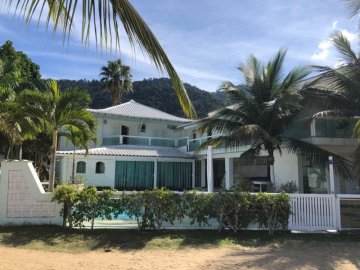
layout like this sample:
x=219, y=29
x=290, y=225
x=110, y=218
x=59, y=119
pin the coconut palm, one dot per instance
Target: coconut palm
x=116, y=77
x=338, y=89
x=103, y=18
x=79, y=139
x=55, y=110
x=263, y=107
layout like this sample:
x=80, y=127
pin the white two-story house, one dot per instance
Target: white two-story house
x=139, y=148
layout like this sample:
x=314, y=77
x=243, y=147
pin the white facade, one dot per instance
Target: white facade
x=134, y=132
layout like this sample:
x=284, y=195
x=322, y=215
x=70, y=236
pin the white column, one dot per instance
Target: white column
x=331, y=175
x=229, y=173
x=193, y=174
x=203, y=173
x=313, y=128
x=155, y=173
x=210, y=172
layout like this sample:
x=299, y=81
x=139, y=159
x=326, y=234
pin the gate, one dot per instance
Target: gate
x=312, y=212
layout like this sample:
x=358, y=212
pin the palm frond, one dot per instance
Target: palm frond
x=104, y=16
x=318, y=155
x=343, y=46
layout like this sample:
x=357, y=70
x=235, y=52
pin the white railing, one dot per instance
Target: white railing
x=139, y=140
x=313, y=212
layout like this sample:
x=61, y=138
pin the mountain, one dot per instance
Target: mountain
x=156, y=93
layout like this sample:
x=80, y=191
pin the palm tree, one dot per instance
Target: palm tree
x=116, y=77
x=103, y=17
x=79, y=139
x=338, y=88
x=262, y=108
x=55, y=110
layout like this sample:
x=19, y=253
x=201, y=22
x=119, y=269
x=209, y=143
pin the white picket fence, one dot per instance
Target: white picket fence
x=316, y=212
x=313, y=212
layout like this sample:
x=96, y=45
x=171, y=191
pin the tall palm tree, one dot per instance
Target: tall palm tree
x=55, y=110
x=103, y=17
x=338, y=89
x=262, y=108
x=116, y=77
x=79, y=139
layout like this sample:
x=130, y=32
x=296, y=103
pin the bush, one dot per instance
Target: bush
x=233, y=210
x=199, y=207
x=67, y=195
x=272, y=210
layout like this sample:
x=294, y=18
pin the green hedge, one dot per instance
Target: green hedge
x=151, y=208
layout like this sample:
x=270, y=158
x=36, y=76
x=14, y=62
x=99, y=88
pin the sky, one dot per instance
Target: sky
x=206, y=40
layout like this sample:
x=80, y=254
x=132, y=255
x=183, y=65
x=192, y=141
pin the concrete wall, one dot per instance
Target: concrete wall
x=22, y=197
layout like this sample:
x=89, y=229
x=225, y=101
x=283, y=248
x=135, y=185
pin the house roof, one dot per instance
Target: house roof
x=135, y=109
x=132, y=151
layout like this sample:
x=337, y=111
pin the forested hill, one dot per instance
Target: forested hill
x=156, y=93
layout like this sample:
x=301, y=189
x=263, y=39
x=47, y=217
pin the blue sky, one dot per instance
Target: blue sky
x=206, y=40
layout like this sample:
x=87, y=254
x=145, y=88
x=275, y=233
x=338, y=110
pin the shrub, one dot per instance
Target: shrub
x=199, y=207
x=272, y=210
x=67, y=195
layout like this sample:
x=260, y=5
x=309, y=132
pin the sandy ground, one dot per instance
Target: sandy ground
x=324, y=256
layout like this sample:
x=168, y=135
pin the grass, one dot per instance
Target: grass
x=51, y=238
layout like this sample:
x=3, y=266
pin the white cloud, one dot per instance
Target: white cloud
x=350, y=36
x=323, y=55
x=324, y=45
x=334, y=24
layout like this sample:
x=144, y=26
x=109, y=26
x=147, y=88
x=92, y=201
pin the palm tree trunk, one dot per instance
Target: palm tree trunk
x=271, y=164
x=116, y=92
x=20, y=152
x=53, y=161
x=73, y=168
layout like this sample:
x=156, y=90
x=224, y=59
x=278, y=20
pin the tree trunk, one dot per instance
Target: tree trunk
x=53, y=162
x=73, y=168
x=116, y=94
x=20, y=152
x=271, y=164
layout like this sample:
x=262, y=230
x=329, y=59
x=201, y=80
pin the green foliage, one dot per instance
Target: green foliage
x=233, y=210
x=116, y=78
x=199, y=207
x=132, y=205
x=289, y=187
x=17, y=71
x=91, y=205
x=156, y=93
x=161, y=205
x=66, y=195
x=272, y=210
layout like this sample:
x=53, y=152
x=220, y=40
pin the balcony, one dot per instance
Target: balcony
x=189, y=145
x=145, y=141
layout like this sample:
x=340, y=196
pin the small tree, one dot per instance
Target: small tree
x=68, y=196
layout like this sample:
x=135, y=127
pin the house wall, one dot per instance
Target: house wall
x=108, y=178
x=286, y=168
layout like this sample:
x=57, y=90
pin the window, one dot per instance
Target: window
x=81, y=167
x=194, y=135
x=100, y=167
x=142, y=128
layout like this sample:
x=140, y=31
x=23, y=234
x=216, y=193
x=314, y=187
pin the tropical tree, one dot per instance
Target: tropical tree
x=79, y=138
x=102, y=18
x=262, y=108
x=116, y=77
x=55, y=110
x=338, y=88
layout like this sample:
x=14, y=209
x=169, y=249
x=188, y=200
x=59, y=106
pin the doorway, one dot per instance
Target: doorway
x=125, y=132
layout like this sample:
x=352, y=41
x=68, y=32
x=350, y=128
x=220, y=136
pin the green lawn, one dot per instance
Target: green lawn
x=65, y=240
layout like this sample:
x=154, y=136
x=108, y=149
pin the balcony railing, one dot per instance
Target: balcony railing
x=190, y=145
x=146, y=141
